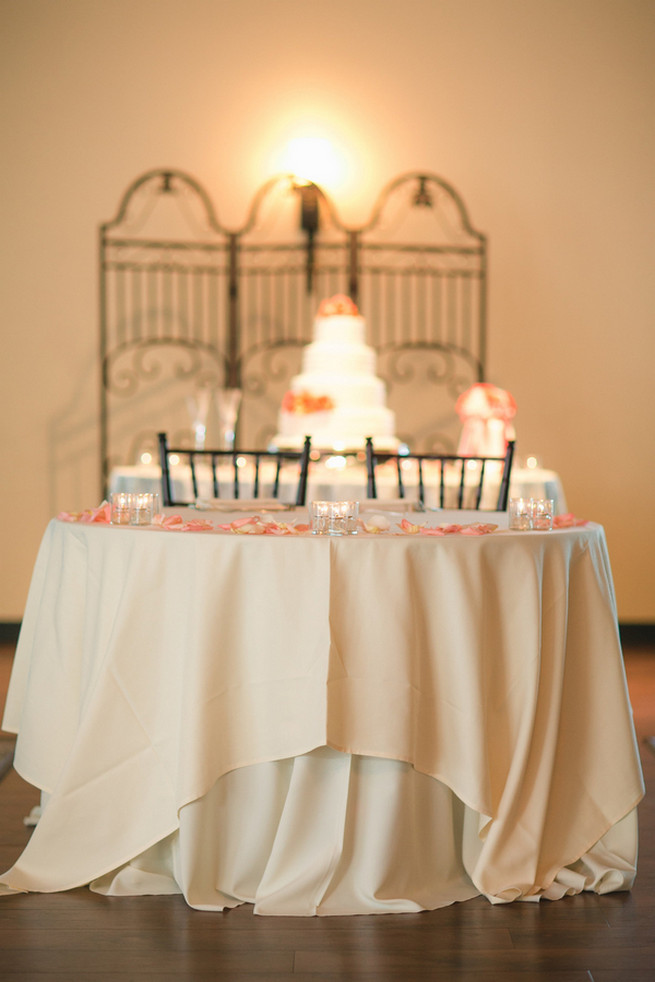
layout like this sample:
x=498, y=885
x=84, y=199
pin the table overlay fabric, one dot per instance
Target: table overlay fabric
x=324, y=724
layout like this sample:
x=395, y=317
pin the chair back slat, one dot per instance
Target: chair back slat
x=478, y=494
x=459, y=467
x=421, y=490
x=256, y=482
x=194, y=479
x=462, y=476
x=401, y=486
x=276, y=483
x=236, y=459
x=164, y=464
x=301, y=496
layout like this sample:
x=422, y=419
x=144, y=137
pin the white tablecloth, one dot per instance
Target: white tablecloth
x=328, y=483
x=324, y=725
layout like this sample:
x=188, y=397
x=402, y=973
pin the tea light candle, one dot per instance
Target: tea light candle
x=520, y=514
x=320, y=517
x=121, y=507
x=542, y=510
x=334, y=517
x=143, y=508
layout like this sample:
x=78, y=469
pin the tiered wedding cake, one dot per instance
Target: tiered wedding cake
x=337, y=399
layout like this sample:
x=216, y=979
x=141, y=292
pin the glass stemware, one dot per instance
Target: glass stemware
x=228, y=402
x=198, y=407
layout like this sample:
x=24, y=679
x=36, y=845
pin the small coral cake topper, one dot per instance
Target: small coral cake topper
x=337, y=305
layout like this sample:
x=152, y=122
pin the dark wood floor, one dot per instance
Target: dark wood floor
x=79, y=935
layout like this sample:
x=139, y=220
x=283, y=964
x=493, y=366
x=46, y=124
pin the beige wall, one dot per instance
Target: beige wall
x=540, y=112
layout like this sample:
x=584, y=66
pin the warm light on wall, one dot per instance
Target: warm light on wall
x=312, y=158
x=318, y=139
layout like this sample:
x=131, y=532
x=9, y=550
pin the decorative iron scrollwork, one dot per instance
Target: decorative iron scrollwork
x=236, y=305
x=144, y=362
x=419, y=363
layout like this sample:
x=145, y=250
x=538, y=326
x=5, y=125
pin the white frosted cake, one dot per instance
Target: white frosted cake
x=337, y=399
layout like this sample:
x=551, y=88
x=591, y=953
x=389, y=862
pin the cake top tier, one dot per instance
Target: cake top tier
x=338, y=305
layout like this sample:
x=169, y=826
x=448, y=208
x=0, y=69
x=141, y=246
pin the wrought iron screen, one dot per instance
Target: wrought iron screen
x=187, y=303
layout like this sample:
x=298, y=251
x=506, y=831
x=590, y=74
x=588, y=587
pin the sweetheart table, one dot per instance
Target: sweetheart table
x=389, y=721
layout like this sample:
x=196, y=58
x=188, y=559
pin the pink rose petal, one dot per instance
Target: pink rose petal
x=94, y=516
x=568, y=521
x=375, y=524
x=479, y=528
x=248, y=520
x=409, y=527
x=198, y=525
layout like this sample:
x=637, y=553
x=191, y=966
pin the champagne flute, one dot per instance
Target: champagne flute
x=228, y=402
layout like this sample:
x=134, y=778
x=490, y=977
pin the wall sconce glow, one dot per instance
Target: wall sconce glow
x=313, y=158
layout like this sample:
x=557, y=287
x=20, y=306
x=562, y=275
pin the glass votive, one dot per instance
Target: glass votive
x=319, y=514
x=121, y=507
x=352, y=517
x=145, y=505
x=542, y=513
x=334, y=517
x=520, y=514
x=344, y=517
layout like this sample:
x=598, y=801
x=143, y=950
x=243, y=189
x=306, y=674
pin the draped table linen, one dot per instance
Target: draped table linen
x=324, y=725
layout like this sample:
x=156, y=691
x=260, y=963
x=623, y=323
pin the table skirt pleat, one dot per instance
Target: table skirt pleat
x=329, y=833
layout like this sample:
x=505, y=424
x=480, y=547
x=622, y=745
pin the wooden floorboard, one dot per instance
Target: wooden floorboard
x=82, y=936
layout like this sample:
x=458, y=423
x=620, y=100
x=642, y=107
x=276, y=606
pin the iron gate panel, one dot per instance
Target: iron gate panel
x=186, y=303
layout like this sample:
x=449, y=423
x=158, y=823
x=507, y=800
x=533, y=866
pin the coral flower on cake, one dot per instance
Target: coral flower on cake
x=337, y=305
x=304, y=403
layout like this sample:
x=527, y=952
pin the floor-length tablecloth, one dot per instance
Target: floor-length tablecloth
x=325, y=725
